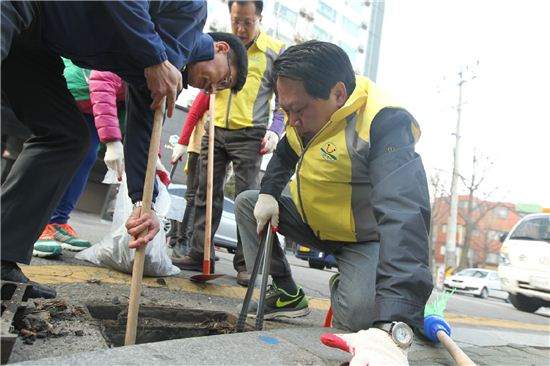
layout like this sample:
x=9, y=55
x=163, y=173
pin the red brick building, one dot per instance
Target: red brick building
x=486, y=222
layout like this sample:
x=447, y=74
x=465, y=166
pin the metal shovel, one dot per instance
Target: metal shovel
x=264, y=254
x=206, y=275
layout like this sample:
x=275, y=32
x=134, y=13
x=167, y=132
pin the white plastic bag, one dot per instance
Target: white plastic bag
x=113, y=252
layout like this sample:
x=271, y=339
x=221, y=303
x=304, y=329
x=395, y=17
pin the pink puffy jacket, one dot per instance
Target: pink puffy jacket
x=107, y=93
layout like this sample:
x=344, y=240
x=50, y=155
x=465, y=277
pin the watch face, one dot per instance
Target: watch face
x=402, y=334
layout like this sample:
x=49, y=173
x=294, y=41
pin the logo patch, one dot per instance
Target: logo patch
x=328, y=151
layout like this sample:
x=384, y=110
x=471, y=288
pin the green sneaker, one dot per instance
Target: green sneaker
x=280, y=304
x=66, y=235
x=46, y=246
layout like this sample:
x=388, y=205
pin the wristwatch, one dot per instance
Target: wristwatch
x=400, y=332
x=140, y=204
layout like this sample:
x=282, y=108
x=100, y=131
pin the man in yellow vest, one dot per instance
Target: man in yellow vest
x=242, y=132
x=359, y=192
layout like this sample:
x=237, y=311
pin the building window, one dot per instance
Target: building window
x=326, y=11
x=320, y=34
x=502, y=212
x=356, y=5
x=351, y=51
x=286, y=14
x=350, y=27
x=444, y=228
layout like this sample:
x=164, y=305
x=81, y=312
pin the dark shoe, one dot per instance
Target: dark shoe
x=190, y=264
x=243, y=278
x=280, y=304
x=11, y=272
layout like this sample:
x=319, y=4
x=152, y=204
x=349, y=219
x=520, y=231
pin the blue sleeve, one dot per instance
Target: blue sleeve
x=138, y=29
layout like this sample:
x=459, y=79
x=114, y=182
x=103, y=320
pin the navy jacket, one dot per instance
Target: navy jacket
x=125, y=37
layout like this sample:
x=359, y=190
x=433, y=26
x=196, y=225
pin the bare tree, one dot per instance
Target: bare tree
x=438, y=191
x=476, y=209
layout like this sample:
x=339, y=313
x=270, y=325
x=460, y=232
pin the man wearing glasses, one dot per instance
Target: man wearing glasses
x=242, y=132
x=156, y=47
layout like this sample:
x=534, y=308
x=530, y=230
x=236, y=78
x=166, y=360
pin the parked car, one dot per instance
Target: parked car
x=315, y=258
x=225, y=236
x=524, y=266
x=476, y=281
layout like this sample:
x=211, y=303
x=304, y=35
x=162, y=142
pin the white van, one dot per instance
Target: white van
x=524, y=266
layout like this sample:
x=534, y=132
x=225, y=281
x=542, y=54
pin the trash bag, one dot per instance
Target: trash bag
x=113, y=252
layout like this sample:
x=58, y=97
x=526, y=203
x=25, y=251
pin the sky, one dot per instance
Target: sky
x=503, y=49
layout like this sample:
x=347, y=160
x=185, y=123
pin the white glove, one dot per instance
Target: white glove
x=178, y=151
x=266, y=209
x=163, y=174
x=114, y=157
x=269, y=143
x=373, y=347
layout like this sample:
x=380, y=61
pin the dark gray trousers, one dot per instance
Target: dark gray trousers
x=242, y=147
x=33, y=83
x=352, y=298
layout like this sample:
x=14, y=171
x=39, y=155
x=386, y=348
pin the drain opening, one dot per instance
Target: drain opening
x=157, y=324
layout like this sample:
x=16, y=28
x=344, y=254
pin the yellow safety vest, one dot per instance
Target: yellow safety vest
x=251, y=106
x=332, y=186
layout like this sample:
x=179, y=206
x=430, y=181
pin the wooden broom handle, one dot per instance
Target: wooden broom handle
x=454, y=350
x=147, y=199
x=209, y=184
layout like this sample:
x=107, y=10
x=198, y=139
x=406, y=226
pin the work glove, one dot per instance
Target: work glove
x=178, y=151
x=162, y=173
x=266, y=209
x=269, y=142
x=114, y=158
x=373, y=347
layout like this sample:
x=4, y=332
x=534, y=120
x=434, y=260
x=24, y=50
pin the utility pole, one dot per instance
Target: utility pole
x=450, y=245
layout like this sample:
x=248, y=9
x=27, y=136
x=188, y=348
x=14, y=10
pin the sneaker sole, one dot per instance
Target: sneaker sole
x=38, y=253
x=72, y=248
x=284, y=314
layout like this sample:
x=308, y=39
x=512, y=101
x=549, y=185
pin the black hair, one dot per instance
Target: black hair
x=258, y=4
x=237, y=54
x=319, y=65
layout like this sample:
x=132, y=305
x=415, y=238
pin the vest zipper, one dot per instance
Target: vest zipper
x=227, y=113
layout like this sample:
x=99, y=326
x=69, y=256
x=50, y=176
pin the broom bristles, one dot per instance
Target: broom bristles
x=437, y=307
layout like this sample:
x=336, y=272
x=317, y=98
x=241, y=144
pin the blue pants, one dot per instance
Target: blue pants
x=78, y=183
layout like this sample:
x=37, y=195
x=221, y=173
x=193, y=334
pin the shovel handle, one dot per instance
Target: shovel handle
x=209, y=182
x=454, y=350
x=139, y=257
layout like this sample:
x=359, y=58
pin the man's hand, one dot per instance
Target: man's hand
x=136, y=224
x=373, y=347
x=163, y=80
x=266, y=209
x=269, y=142
x=162, y=173
x=114, y=157
x=178, y=151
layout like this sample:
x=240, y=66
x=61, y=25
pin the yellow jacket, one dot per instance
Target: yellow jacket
x=332, y=189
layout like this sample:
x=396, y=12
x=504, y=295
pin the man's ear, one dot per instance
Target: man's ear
x=221, y=46
x=340, y=93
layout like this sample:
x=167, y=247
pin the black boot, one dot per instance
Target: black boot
x=184, y=233
x=10, y=271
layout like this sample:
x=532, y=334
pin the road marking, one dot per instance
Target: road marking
x=79, y=274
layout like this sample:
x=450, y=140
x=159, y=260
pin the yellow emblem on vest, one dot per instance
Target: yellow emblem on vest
x=328, y=151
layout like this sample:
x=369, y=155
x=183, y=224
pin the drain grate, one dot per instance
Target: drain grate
x=13, y=295
x=161, y=323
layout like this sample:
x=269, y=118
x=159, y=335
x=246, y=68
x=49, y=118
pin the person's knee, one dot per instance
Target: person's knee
x=246, y=200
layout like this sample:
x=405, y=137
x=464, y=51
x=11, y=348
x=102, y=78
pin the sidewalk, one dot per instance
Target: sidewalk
x=294, y=342
x=279, y=347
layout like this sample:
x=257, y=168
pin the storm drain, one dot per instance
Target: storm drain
x=157, y=324
x=13, y=296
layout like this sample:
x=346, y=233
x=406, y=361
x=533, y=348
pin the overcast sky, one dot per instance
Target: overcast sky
x=505, y=118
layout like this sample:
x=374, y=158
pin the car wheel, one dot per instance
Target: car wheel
x=524, y=303
x=316, y=264
x=169, y=227
x=484, y=293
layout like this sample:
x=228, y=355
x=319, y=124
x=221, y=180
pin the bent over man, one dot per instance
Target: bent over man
x=359, y=192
